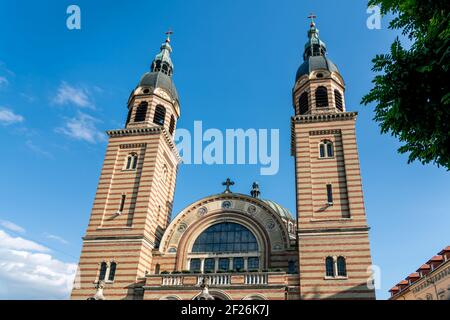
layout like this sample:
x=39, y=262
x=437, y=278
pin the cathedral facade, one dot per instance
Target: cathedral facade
x=229, y=246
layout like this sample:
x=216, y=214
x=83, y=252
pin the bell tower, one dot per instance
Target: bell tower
x=133, y=203
x=334, y=251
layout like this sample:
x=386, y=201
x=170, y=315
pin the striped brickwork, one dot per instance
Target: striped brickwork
x=128, y=238
x=337, y=229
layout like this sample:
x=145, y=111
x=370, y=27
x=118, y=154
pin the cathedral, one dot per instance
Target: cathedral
x=229, y=246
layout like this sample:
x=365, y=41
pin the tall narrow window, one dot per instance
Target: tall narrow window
x=238, y=264
x=131, y=163
x=122, y=203
x=103, y=269
x=303, y=103
x=326, y=149
x=141, y=112
x=253, y=263
x=172, y=124
x=209, y=264
x=321, y=97
x=160, y=114
x=112, y=271
x=341, y=267
x=224, y=264
x=134, y=162
x=338, y=100
x=329, y=267
x=195, y=265
x=329, y=194
x=322, y=150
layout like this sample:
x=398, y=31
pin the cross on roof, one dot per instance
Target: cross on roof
x=168, y=33
x=312, y=17
x=228, y=183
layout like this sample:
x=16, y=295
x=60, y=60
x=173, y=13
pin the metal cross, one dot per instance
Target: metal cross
x=312, y=17
x=168, y=33
x=228, y=183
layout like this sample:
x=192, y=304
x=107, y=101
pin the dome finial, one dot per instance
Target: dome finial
x=168, y=33
x=314, y=46
x=312, y=17
x=162, y=62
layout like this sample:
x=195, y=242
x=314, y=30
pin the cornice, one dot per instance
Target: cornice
x=324, y=117
x=146, y=131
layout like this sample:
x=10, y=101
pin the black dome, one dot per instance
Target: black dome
x=314, y=63
x=159, y=80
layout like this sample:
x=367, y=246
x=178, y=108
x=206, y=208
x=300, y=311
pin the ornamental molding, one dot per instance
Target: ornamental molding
x=127, y=132
x=241, y=205
x=324, y=132
x=132, y=145
x=324, y=117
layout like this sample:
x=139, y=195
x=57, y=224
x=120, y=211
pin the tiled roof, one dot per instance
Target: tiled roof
x=439, y=258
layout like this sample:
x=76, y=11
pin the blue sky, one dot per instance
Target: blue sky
x=235, y=63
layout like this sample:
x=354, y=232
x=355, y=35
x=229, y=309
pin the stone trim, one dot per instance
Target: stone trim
x=132, y=145
x=145, y=131
x=324, y=132
x=324, y=117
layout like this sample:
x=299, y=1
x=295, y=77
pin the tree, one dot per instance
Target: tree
x=411, y=89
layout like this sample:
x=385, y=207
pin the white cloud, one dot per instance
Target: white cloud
x=55, y=237
x=11, y=226
x=18, y=243
x=82, y=127
x=3, y=81
x=68, y=94
x=8, y=116
x=27, y=271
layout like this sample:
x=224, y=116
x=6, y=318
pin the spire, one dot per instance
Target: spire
x=314, y=46
x=162, y=62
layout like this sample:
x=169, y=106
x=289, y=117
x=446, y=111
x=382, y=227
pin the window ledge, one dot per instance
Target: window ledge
x=335, y=278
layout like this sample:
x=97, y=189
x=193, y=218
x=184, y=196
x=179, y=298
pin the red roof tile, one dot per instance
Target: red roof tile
x=413, y=275
x=424, y=267
x=394, y=289
x=436, y=259
x=446, y=249
x=403, y=282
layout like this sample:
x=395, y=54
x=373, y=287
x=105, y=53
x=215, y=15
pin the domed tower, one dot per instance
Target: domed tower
x=133, y=203
x=334, y=251
x=319, y=87
x=154, y=102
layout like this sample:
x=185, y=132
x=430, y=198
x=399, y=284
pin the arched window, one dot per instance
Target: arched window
x=164, y=173
x=103, y=269
x=338, y=100
x=341, y=267
x=157, y=268
x=329, y=267
x=129, y=115
x=160, y=114
x=321, y=97
x=131, y=163
x=303, y=103
x=112, y=271
x=172, y=124
x=226, y=237
x=141, y=112
x=326, y=149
